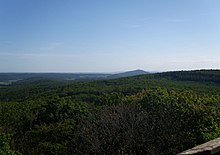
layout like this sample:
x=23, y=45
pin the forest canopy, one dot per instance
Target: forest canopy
x=161, y=113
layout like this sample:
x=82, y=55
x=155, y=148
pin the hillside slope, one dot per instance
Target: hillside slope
x=162, y=113
x=128, y=74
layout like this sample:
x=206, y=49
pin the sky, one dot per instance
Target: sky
x=109, y=35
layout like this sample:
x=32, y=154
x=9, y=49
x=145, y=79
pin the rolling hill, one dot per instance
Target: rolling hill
x=161, y=113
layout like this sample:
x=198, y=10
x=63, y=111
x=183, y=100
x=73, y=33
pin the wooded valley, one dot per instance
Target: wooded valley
x=160, y=113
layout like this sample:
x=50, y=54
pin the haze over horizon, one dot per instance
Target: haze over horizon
x=109, y=36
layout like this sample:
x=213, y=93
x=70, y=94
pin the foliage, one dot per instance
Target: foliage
x=163, y=113
x=5, y=147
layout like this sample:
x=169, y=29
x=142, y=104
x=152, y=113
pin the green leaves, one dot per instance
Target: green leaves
x=5, y=147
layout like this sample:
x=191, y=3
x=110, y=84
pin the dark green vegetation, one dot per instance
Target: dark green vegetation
x=154, y=114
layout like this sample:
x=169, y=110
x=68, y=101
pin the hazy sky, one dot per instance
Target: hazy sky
x=108, y=35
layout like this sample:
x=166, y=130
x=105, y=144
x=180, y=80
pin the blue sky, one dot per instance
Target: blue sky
x=108, y=35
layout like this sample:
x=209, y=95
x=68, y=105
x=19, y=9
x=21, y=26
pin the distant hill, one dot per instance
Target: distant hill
x=195, y=75
x=8, y=78
x=128, y=74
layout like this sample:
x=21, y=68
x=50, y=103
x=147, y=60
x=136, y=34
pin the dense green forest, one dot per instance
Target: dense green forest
x=161, y=113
